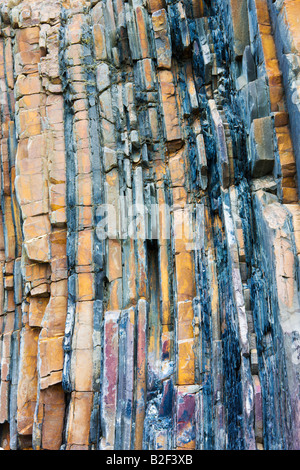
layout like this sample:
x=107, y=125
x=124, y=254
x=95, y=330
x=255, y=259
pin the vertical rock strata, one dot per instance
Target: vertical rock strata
x=150, y=225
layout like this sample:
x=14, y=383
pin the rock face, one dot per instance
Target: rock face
x=150, y=225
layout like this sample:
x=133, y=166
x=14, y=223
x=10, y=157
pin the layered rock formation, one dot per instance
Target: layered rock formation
x=150, y=225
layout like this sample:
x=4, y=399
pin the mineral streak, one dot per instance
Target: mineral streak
x=150, y=224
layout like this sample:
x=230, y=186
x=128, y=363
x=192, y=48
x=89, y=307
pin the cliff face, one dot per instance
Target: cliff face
x=150, y=225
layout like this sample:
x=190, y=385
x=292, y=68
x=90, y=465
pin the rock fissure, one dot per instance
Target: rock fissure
x=149, y=229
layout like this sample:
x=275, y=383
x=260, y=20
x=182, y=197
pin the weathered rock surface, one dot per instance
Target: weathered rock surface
x=150, y=224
